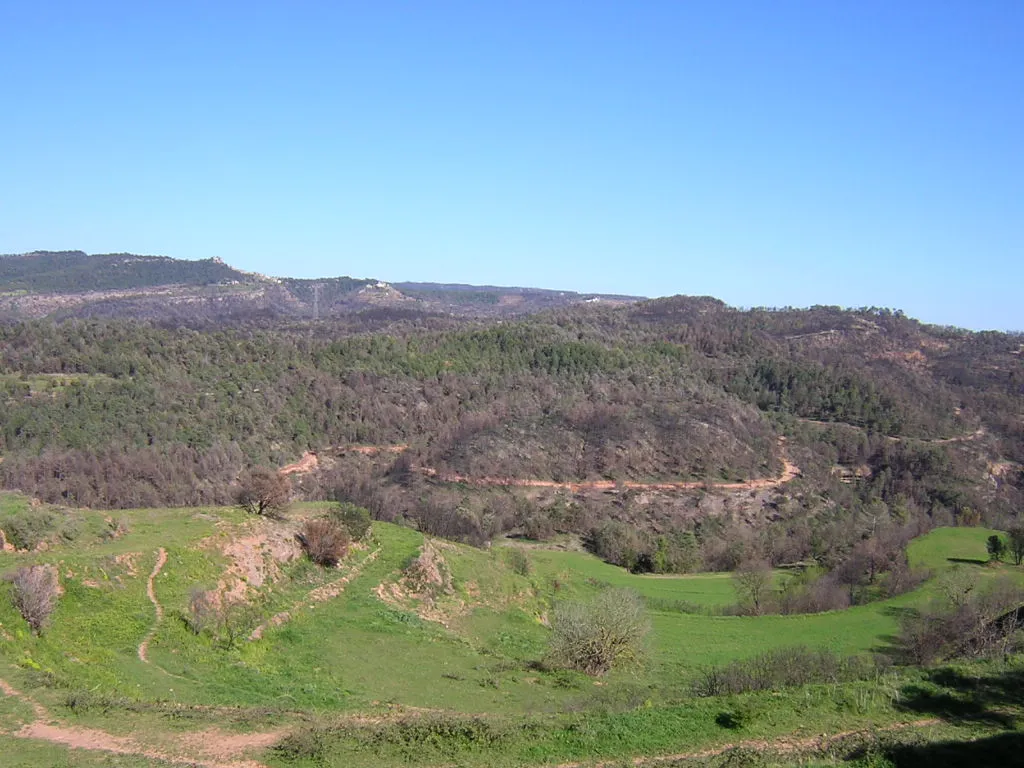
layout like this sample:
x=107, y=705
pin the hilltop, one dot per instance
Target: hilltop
x=68, y=284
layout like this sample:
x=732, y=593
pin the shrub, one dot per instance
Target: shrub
x=325, y=542
x=595, y=636
x=35, y=593
x=203, y=609
x=519, y=561
x=227, y=621
x=785, y=667
x=28, y=528
x=356, y=520
x=981, y=623
x=538, y=526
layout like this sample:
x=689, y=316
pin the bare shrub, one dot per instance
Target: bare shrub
x=35, y=593
x=264, y=491
x=785, y=667
x=983, y=623
x=325, y=541
x=203, y=609
x=428, y=573
x=227, y=621
x=594, y=636
x=812, y=593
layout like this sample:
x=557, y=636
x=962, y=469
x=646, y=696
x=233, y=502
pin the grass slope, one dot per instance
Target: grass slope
x=377, y=647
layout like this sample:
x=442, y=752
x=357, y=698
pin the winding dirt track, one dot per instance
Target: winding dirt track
x=789, y=472
x=161, y=559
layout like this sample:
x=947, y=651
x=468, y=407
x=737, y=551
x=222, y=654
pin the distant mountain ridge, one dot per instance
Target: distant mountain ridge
x=73, y=283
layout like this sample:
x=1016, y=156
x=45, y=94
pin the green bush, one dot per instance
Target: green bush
x=519, y=561
x=354, y=519
x=28, y=528
x=594, y=636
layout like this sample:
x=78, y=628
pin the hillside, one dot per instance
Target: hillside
x=759, y=478
x=209, y=293
x=370, y=664
x=877, y=413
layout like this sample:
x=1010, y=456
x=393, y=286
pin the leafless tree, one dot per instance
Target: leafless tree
x=753, y=583
x=264, y=491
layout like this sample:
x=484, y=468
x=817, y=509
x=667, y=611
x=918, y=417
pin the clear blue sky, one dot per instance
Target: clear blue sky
x=767, y=153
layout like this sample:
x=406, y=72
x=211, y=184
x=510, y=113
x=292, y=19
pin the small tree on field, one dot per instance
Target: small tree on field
x=996, y=548
x=264, y=491
x=36, y=589
x=1017, y=544
x=753, y=583
x=595, y=636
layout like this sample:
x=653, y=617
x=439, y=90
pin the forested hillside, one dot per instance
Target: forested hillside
x=76, y=271
x=680, y=417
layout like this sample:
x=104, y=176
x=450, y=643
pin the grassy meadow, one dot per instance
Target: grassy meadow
x=377, y=673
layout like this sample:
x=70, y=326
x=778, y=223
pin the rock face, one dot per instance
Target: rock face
x=5, y=546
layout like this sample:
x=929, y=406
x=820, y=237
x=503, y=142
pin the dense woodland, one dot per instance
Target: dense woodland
x=894, y=426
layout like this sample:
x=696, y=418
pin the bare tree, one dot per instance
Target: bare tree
x=753, y=583
x=264, y=491
x=595, y=636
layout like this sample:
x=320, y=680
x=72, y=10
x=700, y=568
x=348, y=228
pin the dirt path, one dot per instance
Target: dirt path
x=208, y=749
x=318, y=595
x=161, y=559
x=783, y=745
x=789, y=472
x=308, y=463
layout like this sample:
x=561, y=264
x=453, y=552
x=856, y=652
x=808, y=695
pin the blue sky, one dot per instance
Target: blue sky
x=767, y=153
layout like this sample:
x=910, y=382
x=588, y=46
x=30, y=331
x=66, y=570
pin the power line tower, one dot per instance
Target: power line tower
x=316, y=300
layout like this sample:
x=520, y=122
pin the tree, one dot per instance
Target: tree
x=1017, y=544
x=753, y=582
x=595, y=636
x=264, y=491
x=996, y=548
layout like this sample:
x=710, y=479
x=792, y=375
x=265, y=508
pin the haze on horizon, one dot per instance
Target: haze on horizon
x=867, y=154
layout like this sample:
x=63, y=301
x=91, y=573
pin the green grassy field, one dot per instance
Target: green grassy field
x=347, y=671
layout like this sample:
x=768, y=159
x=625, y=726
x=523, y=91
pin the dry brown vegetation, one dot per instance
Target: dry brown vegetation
x=35, y=592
